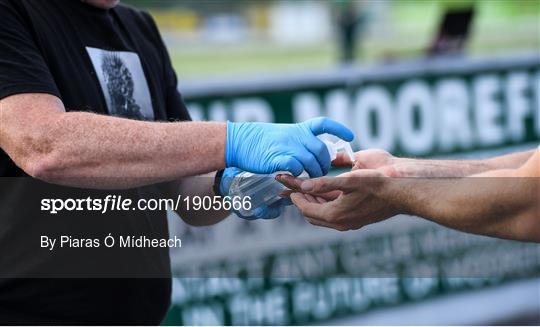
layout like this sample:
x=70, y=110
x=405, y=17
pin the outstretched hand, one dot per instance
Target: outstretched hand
x=377, y=159
x=345, y=202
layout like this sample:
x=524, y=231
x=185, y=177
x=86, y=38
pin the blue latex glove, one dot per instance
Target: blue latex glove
x=263, y=212
x=264, y=148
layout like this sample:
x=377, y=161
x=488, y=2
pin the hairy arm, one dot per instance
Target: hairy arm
x=502, y=203
x=408, y=167
x=88, y=150
x=457, y=168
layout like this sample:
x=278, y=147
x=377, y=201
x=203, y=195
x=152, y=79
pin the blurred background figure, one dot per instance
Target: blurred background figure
x=209, y=39
x=453, y=32
x=351, y=20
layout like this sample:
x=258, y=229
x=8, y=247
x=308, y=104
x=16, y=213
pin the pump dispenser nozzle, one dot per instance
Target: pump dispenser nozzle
x=336, y=145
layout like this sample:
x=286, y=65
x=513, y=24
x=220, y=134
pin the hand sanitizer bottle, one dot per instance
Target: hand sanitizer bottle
x=265, y=190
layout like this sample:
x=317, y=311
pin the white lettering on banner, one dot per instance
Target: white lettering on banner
x=413, y=97
x=418, y=119
x=269, y=308
x=452, y=115
x=306, y=106
x=204, y=315
x=453, y=124
x=487, y=110
x=374, y=102
x=305, y=263
x=252, y=109
x=321, y=300
x=187, y=290
x=419, y=288
x=517, y=85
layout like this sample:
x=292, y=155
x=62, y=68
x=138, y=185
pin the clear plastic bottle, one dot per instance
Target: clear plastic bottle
x=265, y=190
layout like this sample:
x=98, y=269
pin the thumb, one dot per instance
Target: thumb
x=323, y=125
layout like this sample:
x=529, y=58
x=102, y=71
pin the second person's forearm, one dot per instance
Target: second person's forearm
x=487, y=206
x=405, y=167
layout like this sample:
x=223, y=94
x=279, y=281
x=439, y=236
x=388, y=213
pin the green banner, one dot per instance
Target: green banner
x=421, y=108
x=418, y=108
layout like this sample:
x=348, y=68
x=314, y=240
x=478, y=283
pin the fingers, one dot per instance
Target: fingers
x=329, y=196
x=311, y=165
x=342, y=160
x=328, y=184
x=294, y=184
x=311, y=198
x=321, y=199
x=323, y=125
x=316, y=199
x=314, y=211
x=309, y=206
x=298, y=163
x=290, y=164
x=319, y=150
x=289, y=181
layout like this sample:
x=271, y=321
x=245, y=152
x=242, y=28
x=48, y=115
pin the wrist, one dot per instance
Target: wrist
x=390, y=190
x=230, y=144
x=216, y=188
x=400, y=167
x=485, y=165
x=227, y=176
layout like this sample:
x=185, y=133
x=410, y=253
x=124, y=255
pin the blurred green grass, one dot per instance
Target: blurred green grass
x=250, y=59
x=499, y=27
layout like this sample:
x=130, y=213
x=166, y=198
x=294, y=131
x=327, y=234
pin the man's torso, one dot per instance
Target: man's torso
x=108, y=62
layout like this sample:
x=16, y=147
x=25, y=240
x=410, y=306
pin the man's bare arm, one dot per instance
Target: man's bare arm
x=456, y=168
x=503, y=203
x=89, y=150
x=408, y=167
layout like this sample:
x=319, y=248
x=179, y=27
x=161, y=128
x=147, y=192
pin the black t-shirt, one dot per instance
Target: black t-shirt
x=109, y=62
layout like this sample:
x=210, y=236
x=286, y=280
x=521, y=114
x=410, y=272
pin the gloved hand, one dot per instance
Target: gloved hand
x=264, y=148
x=263, y=212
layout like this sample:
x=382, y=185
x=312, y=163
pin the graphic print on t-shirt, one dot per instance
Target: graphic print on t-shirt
x=123, y=83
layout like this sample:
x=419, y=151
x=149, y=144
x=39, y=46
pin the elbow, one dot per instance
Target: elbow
x=41, y=158
x=43, y=167
x=38, y=154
